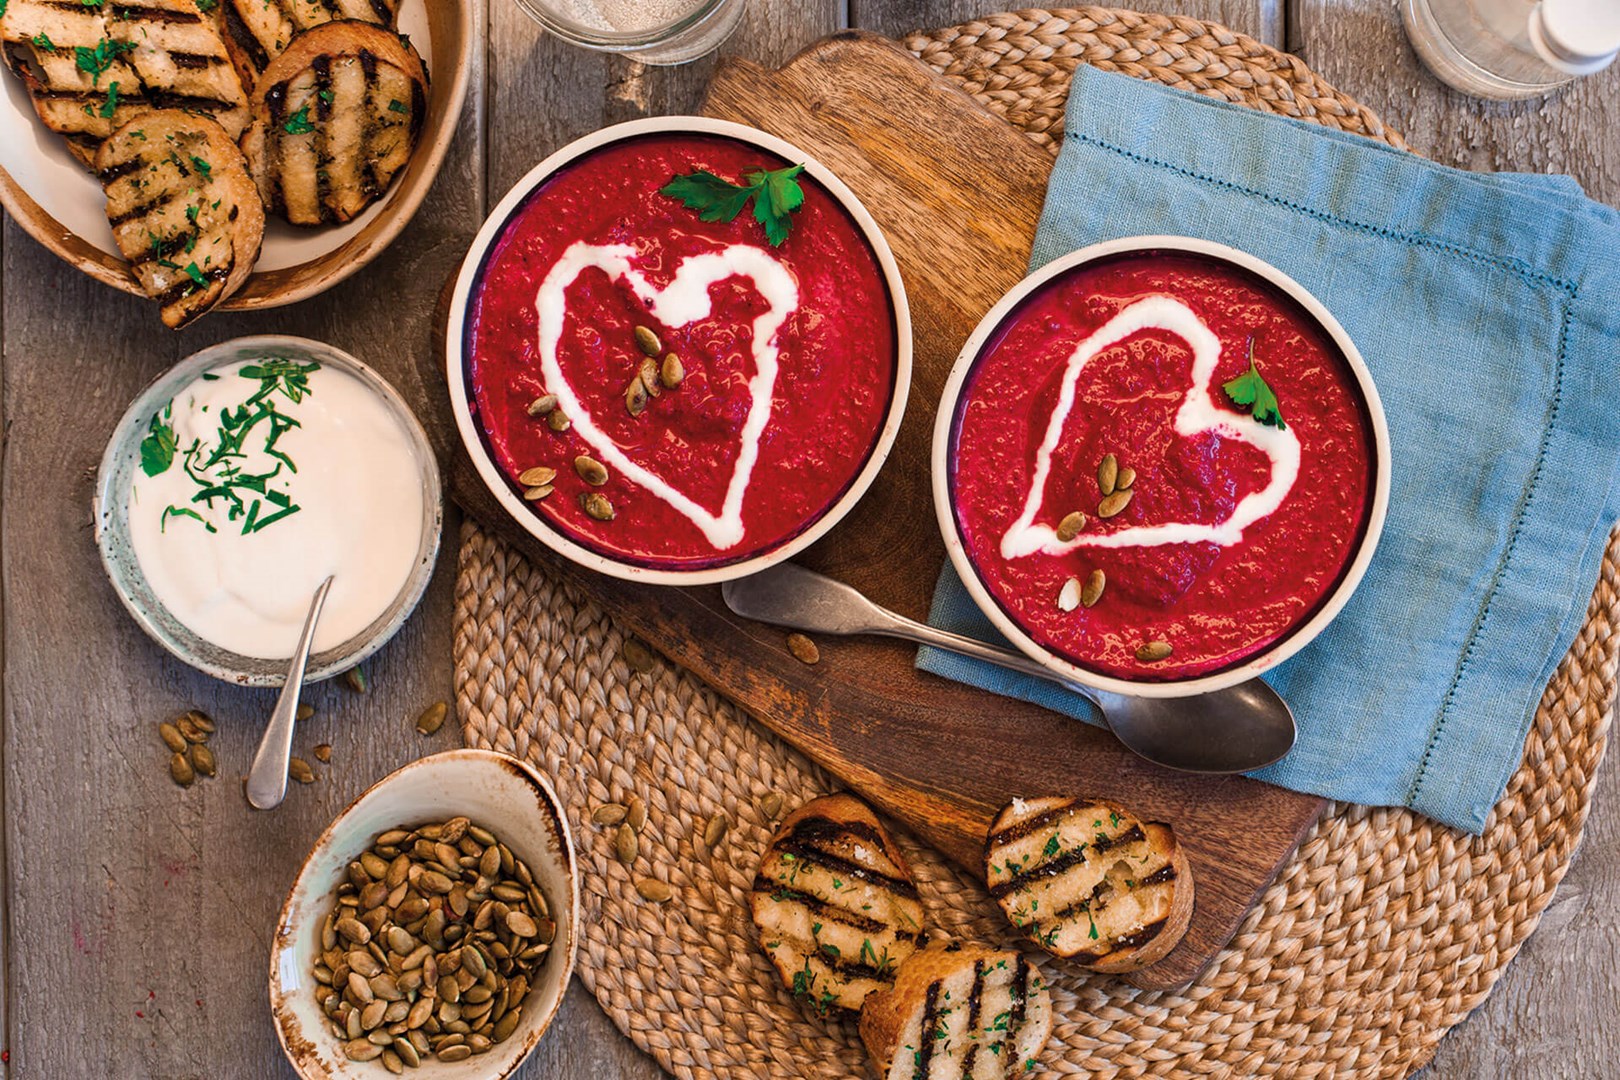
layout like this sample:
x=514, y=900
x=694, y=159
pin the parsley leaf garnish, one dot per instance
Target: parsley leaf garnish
x=111, y=104
x=206, y=6
x=157, y=449
x=95, y=62
x=776, y=195
x=298, y=123
x=1251, y=389
x=202, y=166
x=43, y=41
x=398, y=106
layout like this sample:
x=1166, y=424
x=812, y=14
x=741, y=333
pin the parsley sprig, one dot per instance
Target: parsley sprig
x=776, y=194
x=1251, y=389
x=95, y=62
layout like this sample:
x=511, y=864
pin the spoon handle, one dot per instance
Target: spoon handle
x=267, y=778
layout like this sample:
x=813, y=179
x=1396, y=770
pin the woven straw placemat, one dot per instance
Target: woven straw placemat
x=1383, y=931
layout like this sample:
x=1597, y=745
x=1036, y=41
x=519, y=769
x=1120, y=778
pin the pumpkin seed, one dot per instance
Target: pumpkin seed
x=648, y=342
x=1096, y=581
x=1069, y=596
x=637, y=655
x=635, y=403
x=202, y=761
x=1070, y=526
x=304, y=712
x=625, y=845
x=649, y=376
x=1108, y=474
x=181, y=771
x=520, y=924
x=432, y=718
x=542, y=405
x=362, y=1050
x=504, y=1027
x=536, y=494
x=171, y=737
x=189, y=729
x=673, y=372
x=558, y=421
x=590, y=470
x=636, y=813
x=323, y=752
x=352, y=929
x=1114, y=503
x=407, y=1053
x=1127, y=477
x=355, y=679
x=203, y=721
x=537, y=476
x=391, y=1061
x=609, y=814
x=654, y=891
x=597, y=506
x=455, y=1053
x=771, y=805
x=300, y=770
x=1151, y=651
x=715, y=830
x=803, y=649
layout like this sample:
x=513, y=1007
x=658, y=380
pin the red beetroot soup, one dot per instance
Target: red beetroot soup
x=1234, y=532
x=615, y=255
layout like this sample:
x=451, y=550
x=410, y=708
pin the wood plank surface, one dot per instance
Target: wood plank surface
x=1540, y=1021
x=89, y=817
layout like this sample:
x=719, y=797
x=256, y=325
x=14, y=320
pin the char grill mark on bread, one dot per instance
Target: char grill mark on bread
x=335, y=118
x=183, y=210
x=1088, y=881
x=958, y=1013
x=834, y=903
x=263, y=29
x=90, y=69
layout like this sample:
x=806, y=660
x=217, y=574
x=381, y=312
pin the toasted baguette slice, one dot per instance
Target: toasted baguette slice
x=183, y=209
x=958, y=1013
x=835, y=905
x=1086, y=880
x=138, y=55
x=263, y=29
x=335, y=118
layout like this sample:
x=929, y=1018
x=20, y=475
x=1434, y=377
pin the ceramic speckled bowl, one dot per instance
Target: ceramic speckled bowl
x=121, y=463
x=494, y=791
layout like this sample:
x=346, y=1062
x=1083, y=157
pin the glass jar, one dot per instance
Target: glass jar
x=651, y=31
x=1506, y=49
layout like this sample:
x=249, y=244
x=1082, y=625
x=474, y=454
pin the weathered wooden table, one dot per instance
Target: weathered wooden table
x=137, y=916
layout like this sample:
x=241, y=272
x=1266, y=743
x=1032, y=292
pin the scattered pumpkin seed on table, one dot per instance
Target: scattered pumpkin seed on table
x=304, y=712
x=171, y=737
x=300, y=770
x=609, y=814
x=355, y=679
x=181, y=771
x=432, y=718
x=637, y=655
x=715, y=830
x=803, y=649
x=202, y=761
x=636, y=813
x=625, y=845
x=654, y=891
x=323, y=752
x=770, y=804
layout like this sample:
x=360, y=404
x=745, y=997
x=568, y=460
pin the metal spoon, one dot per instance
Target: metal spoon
x=1237, y=729
x=267, y=778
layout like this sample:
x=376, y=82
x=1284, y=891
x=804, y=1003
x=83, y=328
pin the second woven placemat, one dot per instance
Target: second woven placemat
x=1382, y=932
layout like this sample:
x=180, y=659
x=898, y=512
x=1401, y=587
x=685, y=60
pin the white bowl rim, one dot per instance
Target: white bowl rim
x=412, y=590
x=1259, y=663
x=471, y=436
x=324, y=841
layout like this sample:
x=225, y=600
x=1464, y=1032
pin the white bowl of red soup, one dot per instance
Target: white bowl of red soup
x=1160, y=466
x=679, y=351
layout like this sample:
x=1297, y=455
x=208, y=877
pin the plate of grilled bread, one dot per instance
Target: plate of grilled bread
x=232, y=154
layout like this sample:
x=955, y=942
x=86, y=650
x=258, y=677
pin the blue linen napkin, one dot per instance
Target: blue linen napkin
x=1488, y=308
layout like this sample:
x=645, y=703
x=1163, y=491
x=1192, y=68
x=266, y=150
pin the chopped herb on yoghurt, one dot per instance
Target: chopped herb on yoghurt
x=1251, y=389
x=776, y=195
x=157, y=449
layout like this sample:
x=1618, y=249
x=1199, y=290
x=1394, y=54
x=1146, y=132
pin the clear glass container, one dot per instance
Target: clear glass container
x=1509, y=49
x=651, y=31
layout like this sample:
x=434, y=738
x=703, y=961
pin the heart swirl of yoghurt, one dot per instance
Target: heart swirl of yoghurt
x=684, y=300
x=1198, y=413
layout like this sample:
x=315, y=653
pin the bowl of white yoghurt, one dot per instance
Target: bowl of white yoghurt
x=241, y=479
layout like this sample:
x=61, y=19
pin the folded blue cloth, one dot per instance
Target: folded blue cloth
x=1488, y=308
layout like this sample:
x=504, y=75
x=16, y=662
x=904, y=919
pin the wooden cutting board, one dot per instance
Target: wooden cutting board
x=957, y=192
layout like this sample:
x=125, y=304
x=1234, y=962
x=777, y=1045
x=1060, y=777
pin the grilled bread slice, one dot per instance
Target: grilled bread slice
x=1088, y=881
x=835, y=905
x=263, y=29
x=183, y=209
x=335, y=118
x=958, y=1013
x=91, y=68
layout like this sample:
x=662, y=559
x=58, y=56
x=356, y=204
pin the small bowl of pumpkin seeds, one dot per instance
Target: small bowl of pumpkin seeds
x=432, y=928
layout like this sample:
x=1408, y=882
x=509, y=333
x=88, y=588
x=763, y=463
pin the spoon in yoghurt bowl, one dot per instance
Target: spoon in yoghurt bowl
x=267, y=779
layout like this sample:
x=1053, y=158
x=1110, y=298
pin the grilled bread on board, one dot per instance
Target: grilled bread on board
x=958, y=1013
x=183, y=209
x=263, y=29
x=91, y=67
x=1086, y=880
x=335, y=117
x=835, y=905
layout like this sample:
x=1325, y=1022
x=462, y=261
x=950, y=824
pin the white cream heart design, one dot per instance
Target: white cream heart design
x=684, y=300
x=1197, y=414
